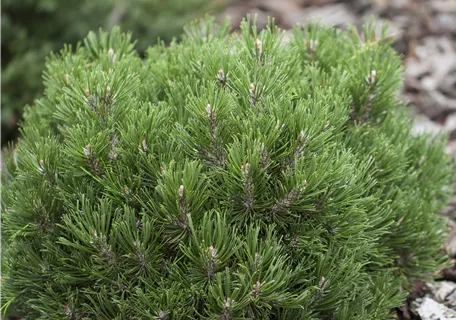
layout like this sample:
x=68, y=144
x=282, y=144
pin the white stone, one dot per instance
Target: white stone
x=432, y=310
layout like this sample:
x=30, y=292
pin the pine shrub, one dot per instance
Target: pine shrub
x=244, y=176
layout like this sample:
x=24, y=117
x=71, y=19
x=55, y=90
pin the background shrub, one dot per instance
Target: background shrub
x=31, y=29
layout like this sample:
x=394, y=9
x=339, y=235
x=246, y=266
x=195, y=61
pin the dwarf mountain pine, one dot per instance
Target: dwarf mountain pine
x=243, y=176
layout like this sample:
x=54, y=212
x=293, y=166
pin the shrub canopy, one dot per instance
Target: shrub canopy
x=236, y=176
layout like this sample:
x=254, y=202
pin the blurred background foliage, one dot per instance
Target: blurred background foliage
x=31, y=29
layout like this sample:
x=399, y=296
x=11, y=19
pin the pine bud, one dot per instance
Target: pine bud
x=322, y=283
x=373, y=75
x=208, y=111
x=67, y=310
x=143, y=146
x=87, y=150
x=302, y=135
x=228, y=303
x=213, y=252
x=313, y=45
x=325, y=127
x=259, y=46
x=280, y=125
x=67, y=77
x=108, y=91
x=138, y=223
x=256, y=289
x=252, y=95
x=87, y=92
x=264, y=156
x=41, y=167
x=221, y=77
x=371, y=78
x=112, y=55
x=246, y=168
x=181, y=191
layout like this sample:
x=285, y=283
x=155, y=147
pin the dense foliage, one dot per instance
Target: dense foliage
x=31, y=29
x=223, y=177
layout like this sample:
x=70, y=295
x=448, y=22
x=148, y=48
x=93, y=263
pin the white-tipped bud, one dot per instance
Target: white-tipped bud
x=252, y=98
x=221, y=74
x=325, y=127
x=41, y=167
x=259, y=46
x=108, y=90
x=144, y=145
x=87, y=150
x=228, y=303
x=256, y=288
x=247, y=168
x=208, y=110
x=322, y=282
x=67, y=310
x=313, y=44
x=213, y=252
x=222, y=77
x=370, y=79
x=110, y=53
x=67, y=77
x=87, y=92
x=181, y=191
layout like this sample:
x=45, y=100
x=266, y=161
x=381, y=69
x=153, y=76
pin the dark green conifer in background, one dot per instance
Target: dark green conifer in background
x=31, y=29
x=238, y=176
